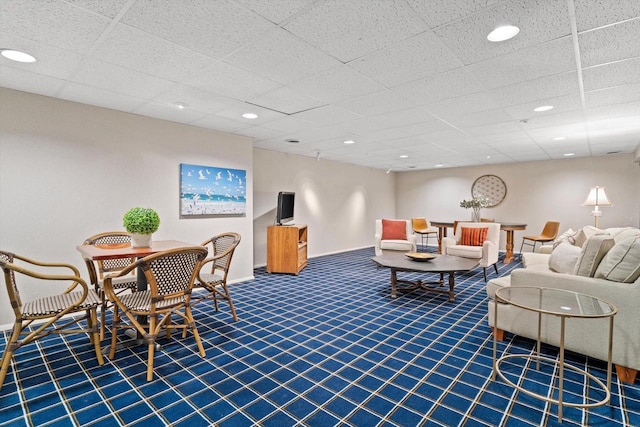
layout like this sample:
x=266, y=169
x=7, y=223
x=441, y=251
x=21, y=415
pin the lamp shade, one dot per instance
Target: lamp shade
x=597, y=197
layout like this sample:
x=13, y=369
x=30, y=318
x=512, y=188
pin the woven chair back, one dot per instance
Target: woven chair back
x=170, y=274
x=224, y=246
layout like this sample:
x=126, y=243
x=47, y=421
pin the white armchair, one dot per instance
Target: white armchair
x=408, y=244
x=487, y=254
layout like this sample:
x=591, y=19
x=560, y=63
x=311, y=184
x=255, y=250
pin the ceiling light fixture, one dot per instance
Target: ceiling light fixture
x=403, y=156
x=439, y=165
x=293, y=141
x=389, y=170
x=250, y=116
x=16, y=55
x=180, y=105
x=559, y=138
x=349, y=141
x=543, y=108
x=569, y=154
x=502, y=33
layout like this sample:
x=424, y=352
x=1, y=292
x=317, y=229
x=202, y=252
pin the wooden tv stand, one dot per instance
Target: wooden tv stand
x=286, y=248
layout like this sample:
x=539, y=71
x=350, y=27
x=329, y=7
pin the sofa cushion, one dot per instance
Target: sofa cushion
x=594, y=249
x=626, y=233
x=622, y=262
x=496, y=284
x=465, y=251
x=530, y=259
x=396, y=245
x=473, y=236
x=563, y=258
x=394, y=230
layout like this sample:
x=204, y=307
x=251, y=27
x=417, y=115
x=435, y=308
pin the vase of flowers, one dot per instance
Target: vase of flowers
x=476, y=203
x=141, y=223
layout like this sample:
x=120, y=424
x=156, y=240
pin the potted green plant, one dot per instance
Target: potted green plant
x=141, y=223
x=476, y=203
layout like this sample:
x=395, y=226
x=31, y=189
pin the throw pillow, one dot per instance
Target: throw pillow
x=473, y=236
x=567, y=236
x=594, y=249
x=622, y=262
x=394, y=230
x=563, y=258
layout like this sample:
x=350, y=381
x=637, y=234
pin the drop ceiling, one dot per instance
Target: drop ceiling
x=415, y=83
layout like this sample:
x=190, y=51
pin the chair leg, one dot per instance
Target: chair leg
x=8, y=351
x=92, y=322
x=495, y=266
x=192, y=325
x=228, y=298
x=115, y=324
x=152, y=346
x=484, y=270
x=103, y=309
x=521, y=246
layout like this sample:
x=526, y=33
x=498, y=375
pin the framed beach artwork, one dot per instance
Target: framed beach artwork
x=212, y=191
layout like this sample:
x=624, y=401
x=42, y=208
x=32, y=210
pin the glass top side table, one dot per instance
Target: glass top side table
x=563, y=304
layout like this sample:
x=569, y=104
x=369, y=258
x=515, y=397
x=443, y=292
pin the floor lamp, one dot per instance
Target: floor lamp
x=596, y=198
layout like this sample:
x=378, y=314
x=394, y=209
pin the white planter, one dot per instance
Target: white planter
x=140, y=240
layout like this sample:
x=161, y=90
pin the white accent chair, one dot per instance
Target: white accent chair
x=408, y=245
x=487, y=254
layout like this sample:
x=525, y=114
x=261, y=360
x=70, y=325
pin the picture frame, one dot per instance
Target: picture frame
x=210, y=191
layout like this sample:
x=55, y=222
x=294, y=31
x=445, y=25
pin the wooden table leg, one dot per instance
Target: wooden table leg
x=442, y=232
x=452, y=297
x=508, y=256
x=394, y=280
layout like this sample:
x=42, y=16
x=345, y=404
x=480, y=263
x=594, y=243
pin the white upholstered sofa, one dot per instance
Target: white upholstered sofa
x=607, y=267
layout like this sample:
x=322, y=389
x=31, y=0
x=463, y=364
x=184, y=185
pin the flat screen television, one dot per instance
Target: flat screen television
x=286, y=202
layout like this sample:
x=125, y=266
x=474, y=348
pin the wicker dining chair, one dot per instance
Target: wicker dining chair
x=213, y=278
x=98, y=269
x=47, y=312
x=170, y=276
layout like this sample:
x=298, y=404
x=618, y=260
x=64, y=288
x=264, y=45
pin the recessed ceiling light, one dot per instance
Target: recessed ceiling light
x=502, y=33
x=349, y=141
x=16, y=55
x=543, y=108
x=559, y=138
x=439, y=165
x=403, y=156
x=180, y=105
x=293, y=141
x=569, y=154
x=250, y=116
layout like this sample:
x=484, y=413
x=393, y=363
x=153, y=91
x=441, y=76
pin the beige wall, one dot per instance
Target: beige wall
x=338, y=202
x=68, y=171
x=536, y=192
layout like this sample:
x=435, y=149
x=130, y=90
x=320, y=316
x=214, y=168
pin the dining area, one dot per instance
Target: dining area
x=131, y=295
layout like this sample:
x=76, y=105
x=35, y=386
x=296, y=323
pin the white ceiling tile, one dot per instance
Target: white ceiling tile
x=99, y=97
x=219, y=123
x=140, y=51
x=194, y=99
x=51, y=61
x=52, y=22
x=615, y=95
x=597, y=13
x=611, y=43
x=26, y=81
x=538, y=89
x=410, y=59
x=493, y=129
x=117, y=79
x=282, y=57
x=259, y=133
x=288, y=124
x=545, y=59
x=478, y=118
x=569, y=117
x=276, y=10
x=447, y=85
x=327, y=115
x=559, y=104
x=614, y=111
x=214, y=28
x=463, y=105
x=168, y=112
x=613, y=74
x=235, y=110
x=286, y=100
x=539, y=21
x=337, y=84
x=404, y=117
x=438, y=12
x=227, y=80
x=375, y=103
x=360, y=27
x=426, y=126
x=106, y=8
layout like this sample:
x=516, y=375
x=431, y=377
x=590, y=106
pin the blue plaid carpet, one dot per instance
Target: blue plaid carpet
x=327, y=347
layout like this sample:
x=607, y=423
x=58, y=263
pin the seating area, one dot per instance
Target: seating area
x=604, y=263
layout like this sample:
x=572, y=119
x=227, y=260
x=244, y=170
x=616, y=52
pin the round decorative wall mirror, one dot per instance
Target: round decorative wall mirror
x=490, y=187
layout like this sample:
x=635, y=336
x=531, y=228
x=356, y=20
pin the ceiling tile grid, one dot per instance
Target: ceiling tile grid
x=399, y=77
